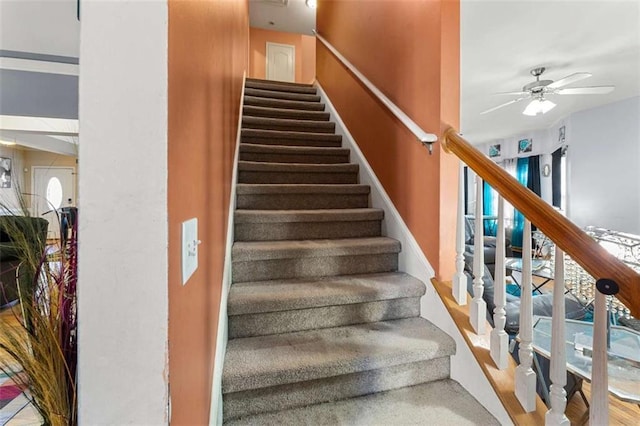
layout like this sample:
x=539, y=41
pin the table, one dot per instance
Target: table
x=539, y=268
x=624, y=355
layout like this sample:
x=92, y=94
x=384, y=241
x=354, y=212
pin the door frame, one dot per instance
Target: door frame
x=266, y=58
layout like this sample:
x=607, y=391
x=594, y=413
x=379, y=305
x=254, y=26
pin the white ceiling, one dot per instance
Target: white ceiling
x=501, y=41
x=40, y=26
x=292, y=16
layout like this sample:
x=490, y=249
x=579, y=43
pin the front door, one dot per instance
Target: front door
x=281, y=62
x=53, y=188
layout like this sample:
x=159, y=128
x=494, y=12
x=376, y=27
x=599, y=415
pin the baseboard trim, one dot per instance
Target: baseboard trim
x=411, y=259
x=215, y=412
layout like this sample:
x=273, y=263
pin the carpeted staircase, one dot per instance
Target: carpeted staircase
x=323, y=329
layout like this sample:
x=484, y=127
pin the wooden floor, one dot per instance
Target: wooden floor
x=620, y=413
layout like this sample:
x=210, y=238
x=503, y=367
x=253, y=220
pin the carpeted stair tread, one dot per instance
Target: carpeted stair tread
x=293, y=154
x=283, y=188
x=273, y=94
x=268, y=123
x=301, y=196
x=442, y=402
x=277, y=86
x=282, y=295
x=297, y=173
x=258, y=111
x=317, y=215
x=270, y=250
x=258, y=166
x=285, y=137
x=259, y=362
x=283, y=103
x=250, y=80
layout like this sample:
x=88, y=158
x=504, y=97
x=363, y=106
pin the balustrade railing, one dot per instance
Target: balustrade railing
x=607, y=276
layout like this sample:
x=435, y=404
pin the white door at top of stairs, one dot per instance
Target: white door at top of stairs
x=281, y=62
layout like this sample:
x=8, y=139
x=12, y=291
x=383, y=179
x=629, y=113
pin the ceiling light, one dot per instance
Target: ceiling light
x=312, y=4
x=539, y=106
x=7, y=143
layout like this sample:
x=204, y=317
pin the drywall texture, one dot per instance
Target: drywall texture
x=305, y=53
x=208, y=50
x=122, y=281
x=9, y=198
x=404, y=51
x=602, y=161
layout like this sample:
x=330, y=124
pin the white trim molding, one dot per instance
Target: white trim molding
x=215, y=414
x=464, y=367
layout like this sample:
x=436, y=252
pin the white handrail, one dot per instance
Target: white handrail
x=425, y=138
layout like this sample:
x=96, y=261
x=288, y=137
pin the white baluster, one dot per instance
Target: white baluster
x=499, y=348
x=478, y=308
x=459, y=286
x=599, y=411
x=558, y=370
x=525, y=376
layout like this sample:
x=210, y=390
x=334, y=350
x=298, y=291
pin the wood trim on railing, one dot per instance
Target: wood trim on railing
x=569, y=237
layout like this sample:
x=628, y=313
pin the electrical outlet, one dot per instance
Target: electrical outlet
x=190, y=244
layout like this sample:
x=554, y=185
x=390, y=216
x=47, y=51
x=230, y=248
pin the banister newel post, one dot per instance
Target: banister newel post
x=525, y=376
x=499, y=345
x=558, y=369
x=459, y=285
x=478, y=308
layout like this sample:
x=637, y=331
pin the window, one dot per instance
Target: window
x=54, y=193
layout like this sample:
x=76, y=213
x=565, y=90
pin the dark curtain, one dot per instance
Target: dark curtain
x=533, y=180
x=466, y=189
x=556, y=177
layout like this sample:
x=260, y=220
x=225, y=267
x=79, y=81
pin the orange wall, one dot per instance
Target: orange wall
x=305, y=53
x=404, y=49
x=208, y=50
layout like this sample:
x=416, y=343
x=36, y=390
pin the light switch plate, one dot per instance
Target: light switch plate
x=190, y=244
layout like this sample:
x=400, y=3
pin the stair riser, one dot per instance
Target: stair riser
x=290, y=142
x=294, y=158
x=284, y=104
x=284, y=113
x=280, y=177
x=307, y=267
x=307, y=128
x=306, y=230
x=239, y=404
x=301, y=201
x=281, y=87
x=281, y=95
x=322, y=317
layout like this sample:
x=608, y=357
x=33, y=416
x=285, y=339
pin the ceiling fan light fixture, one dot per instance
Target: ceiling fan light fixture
x=538, y=106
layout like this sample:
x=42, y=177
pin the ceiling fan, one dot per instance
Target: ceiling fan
x=539, y=89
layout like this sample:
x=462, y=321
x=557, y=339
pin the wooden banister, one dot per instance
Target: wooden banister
x=570, y=238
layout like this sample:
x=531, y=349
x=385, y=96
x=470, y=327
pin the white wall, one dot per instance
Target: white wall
x=604, y=161
x=9, y=196
x=122, y=287
x=603, y=164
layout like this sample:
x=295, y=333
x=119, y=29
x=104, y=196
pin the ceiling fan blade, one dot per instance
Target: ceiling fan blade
x=511, y=93
x=569, y=79
x=504, y=105
x=595, y=90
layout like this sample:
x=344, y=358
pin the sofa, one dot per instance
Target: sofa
x=488, y=243
x=18, y=234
